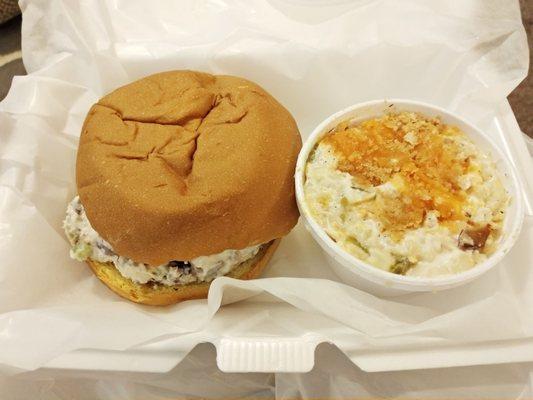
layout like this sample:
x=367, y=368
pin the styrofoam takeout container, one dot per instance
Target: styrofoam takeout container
x=356, y=272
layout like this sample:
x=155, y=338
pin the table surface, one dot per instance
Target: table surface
x=521, y=98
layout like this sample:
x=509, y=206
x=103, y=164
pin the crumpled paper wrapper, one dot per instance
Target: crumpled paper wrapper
x=316, y=58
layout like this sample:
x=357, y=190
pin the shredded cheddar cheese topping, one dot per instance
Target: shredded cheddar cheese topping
x=419, y=156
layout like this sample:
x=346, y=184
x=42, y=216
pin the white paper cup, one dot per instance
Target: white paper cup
x=356, y=272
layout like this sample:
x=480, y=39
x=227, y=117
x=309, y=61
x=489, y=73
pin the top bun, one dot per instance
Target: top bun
x=182, y=164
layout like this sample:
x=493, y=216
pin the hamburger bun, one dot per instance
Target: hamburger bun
x=165, y=295
x=182, y=164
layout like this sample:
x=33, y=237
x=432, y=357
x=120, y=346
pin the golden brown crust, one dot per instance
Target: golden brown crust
x=166, y=295
x=182, y=164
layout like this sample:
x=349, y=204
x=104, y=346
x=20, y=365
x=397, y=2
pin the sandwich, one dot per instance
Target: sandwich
x=182, y=177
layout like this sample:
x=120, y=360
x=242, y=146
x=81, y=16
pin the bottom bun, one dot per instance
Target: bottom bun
x=165, y=295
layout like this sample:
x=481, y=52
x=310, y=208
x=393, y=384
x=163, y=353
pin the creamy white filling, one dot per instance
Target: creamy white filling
x=431, y=250
x=87, y=243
